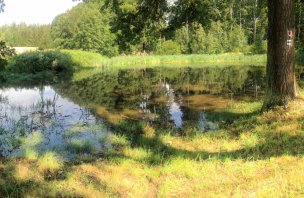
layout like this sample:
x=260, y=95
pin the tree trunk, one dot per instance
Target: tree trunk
x=299, y=22
x=255, y=19
x=281, y=83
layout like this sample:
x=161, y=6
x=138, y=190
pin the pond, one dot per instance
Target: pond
x=37, y=120
x=76, y=118
x=170, y=97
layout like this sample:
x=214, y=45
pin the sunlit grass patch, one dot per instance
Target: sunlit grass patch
x=137, y=153
x=30, y=154
x=118, y=140
x=26, y=171
x=49, y=163
x=85, y=59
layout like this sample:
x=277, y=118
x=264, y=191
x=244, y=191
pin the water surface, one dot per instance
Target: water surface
x=75, y=118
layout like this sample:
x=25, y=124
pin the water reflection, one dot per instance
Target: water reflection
x=176, y=115
x=166, y=97
x=40, y=120
x=74, y=118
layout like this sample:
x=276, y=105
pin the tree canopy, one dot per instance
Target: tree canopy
x=113, y=27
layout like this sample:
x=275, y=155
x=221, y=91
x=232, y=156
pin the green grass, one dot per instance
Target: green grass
x=91, y=63
x=92, y=60
x=186, y=60
x=252, y=155
x=86, y=59
x=45, y=65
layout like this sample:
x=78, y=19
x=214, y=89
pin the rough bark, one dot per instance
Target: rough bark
x=281, y=83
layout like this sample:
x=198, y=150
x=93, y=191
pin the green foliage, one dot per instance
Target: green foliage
x=85, y=27
x=133, y=26
x=192, y=39
x=217, y=41
x=85, y=59
x=198, y=39
x=168, y=47
x=23, y=35
x=237, y=41
x=35, y=62
x=259, y=45
x=5, y=52
x=182, y=38
x=138, y=24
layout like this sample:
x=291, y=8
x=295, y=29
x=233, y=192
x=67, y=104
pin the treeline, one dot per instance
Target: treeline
x=164, y=27
x=113, y=27
x=23, y=35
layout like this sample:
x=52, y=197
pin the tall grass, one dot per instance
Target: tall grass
x=91, y=63
x=89, y=59
x=85, y=59
x=186, y=60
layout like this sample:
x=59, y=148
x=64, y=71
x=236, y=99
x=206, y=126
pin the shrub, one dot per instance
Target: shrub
x=35, y=62
x=168, y=47
x=5, y=52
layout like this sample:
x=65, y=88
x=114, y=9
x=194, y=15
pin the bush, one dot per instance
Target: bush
x=5, y=52
x=168, y=47
x=35, y=62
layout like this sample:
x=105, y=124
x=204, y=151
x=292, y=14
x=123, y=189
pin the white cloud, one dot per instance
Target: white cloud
x=33, y=11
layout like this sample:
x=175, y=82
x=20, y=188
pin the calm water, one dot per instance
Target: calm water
x=40, y=120
x=170, y=97
x=75, y=118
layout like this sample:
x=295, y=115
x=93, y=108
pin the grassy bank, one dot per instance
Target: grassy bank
x=41, y=64
x=252, y=155
x=92, y=60
x=182, y=60
x=91, y=63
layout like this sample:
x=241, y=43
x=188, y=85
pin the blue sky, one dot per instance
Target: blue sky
x=33, y=11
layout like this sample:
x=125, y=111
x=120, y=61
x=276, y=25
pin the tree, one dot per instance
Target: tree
x=198, y=39
x=191, y=38
x=237, y=41
x=281, y=83
x=260, y=44
x=217, y=39
x=27, y=35
x=85, y=27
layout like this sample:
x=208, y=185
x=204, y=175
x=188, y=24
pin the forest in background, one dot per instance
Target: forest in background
x=113, y=27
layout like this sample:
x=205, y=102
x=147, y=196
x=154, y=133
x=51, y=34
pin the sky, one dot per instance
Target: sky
x=33, y=11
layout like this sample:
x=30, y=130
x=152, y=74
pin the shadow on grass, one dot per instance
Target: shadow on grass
x=269, y=144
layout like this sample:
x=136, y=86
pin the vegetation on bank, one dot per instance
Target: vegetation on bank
x=251, y=155
x=31, y=66
x=37, y=65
